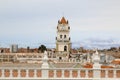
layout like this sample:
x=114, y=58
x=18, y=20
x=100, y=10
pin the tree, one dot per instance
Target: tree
x=42, y=48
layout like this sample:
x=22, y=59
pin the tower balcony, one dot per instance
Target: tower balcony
x=63, y=30
x=63, y=40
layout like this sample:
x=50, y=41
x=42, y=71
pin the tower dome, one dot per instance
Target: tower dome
x=63, y=21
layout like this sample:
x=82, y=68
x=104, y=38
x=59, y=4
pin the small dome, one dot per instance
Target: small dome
x=63, y=21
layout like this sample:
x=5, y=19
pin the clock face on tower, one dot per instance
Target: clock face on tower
x=62, y=28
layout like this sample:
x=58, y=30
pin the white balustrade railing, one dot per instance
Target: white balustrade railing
x=46, y=72
x=106, y=73
x=114, y=72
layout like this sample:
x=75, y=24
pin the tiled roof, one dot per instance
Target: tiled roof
x=115, y=62
x=88, y=65
x=63, y=21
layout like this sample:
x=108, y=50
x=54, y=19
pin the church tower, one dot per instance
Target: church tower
x=63, y=43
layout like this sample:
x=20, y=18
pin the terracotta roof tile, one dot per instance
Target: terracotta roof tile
x=63, y=20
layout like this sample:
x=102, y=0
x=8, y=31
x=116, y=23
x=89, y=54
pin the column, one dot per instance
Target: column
x=75, y=60
x=45, y=73
x=69, y=60
x=52, y=55
x=70, y=71
x=106, y=73
x=96, y=65
x=78, y=74
x=27, y=73
x=35, y=73
x=62, y=73
x=72, y=60
x=2, y=58
x=3, y=73
x=8, y=58
x=11, y=75
x=114, y=73
x=19, y=73
x=97, y=73
x=86, y=74
x=55, y=75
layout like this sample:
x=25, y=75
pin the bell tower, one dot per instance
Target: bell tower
x=63, y=43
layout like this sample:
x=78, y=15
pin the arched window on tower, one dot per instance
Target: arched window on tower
x=65, y=48
x=69, y=27
x=60, y=36
x=64, y=36
x=69, y=38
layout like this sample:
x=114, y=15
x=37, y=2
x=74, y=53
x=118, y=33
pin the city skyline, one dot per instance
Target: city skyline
x=33, y=22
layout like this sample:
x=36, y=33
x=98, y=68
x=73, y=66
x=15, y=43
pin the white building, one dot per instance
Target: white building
x=14, y=48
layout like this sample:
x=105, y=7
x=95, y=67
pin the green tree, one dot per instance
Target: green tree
x=42, y=48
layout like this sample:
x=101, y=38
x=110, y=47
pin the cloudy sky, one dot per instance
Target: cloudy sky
x=33, y=22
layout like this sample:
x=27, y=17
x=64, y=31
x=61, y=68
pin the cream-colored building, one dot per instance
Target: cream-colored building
x=63, y=43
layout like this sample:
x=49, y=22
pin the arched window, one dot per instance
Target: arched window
x=64, y=36
x=60, y=36
x=69, y=38
x=69, y=27
x=65, y=48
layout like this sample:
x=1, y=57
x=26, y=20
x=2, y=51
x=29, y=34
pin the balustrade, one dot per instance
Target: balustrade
x=63, y=72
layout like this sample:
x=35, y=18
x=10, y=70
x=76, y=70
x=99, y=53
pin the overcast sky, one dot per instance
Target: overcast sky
x=33, y=22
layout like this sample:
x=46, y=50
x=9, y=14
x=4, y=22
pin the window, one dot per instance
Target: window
x=68, y=27
x=60, y=36
x=60, y=58
x=64, y=36
x=65, y=48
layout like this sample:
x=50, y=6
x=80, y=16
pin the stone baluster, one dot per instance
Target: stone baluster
x=70, y=73
x=86, y=73
x=55, y=75
x=27, y=73
x=62, y=73
x=78, y=74
x=114, y=73
x=106, y=73
x=35, y=73
x=19, y=72
x=11, y=73
x=3, y=71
